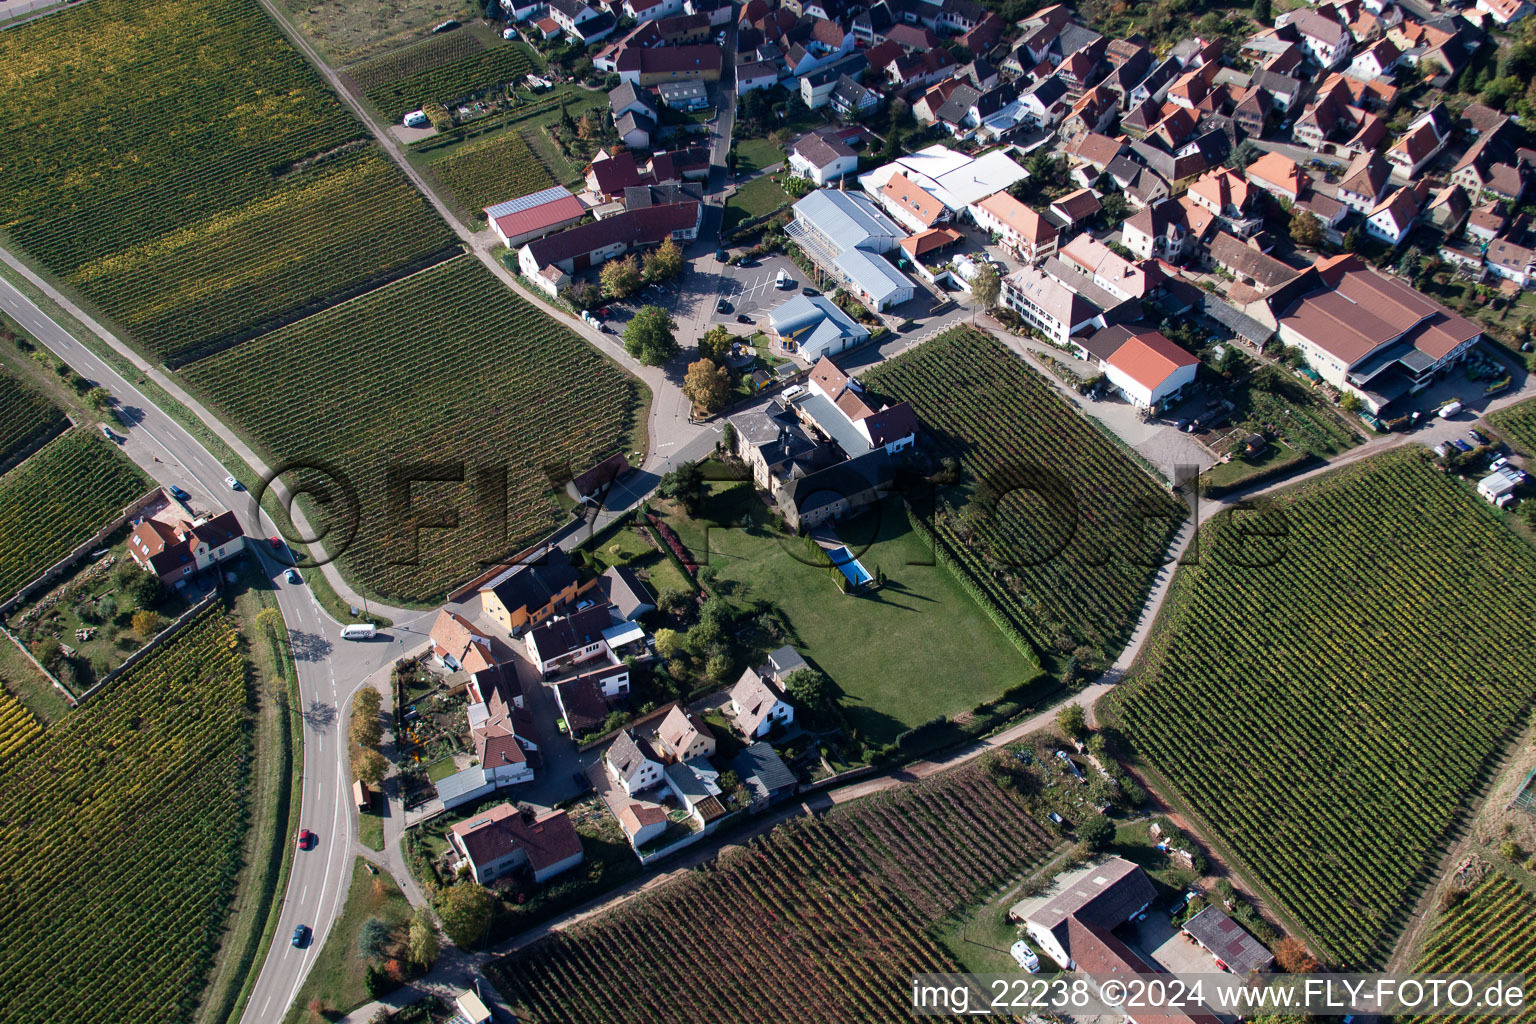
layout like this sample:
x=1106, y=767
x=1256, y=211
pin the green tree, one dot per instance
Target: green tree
x=373, y=938
x=1097, y=832
x=797, y=187
x=369, y=767
x=684, y=485
x=423, y=938
x=1262, y=13
x=147, y=623
x=718, y=669
x=144, y=588
x=1072, y=721
x=649, y=337
x=467, y=910
x=985, y=286
x=668, y=643
x=716, y=344
x=365, y=730
x=620, y=278
x=664, y=262
x=269, y=621
x=707, y=385
x=1349, y=401
x=812, y=691
x=1306, y=229
x=100, y=398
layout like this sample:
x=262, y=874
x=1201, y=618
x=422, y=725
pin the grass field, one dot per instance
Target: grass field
x=30, y=420
x=1330, y=686
x=446, y=368
x=337, y=976
x=204, y=183
x=347, y=32
x=923, y=649
x=834, y=909
x=125, y=827
x=1492, y=928
x=446, y=83
x=20, y=679
x=499, y=168
x=756, y=154
x=756, y=198
x=58, y=499
x=1058, y=526
x=628, y=547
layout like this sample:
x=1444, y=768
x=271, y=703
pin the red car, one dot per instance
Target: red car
x=276, y=542
x=306, y=839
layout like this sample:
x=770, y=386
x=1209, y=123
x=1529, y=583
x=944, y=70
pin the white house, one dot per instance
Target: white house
x=685, y=735
x=758, y=706
x=1374, y=61
x=757, y=74
x=642, y=822
x=176, y=550
x=1500, y=483
x=632, y=763
x=1505, y=12
x=649, y=10
x=1149, y=370
x=1510, y=261
x=1021, y=229
x=1048, y=305
x=824, y=158
x=1324, y=40
x=1394, y=217
x=501, y=840
x=813, y=326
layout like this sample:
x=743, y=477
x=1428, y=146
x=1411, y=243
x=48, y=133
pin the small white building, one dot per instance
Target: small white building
x=822, y=157
x=632, y=763
x=1149, y=370
x=1500, y=483
x=757, y=705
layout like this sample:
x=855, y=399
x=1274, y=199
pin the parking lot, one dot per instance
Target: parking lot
x=751, y=291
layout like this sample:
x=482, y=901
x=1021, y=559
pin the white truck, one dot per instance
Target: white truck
x=359, y=631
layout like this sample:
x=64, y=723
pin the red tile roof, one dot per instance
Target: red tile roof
x=557, y=209
x=1149, y=358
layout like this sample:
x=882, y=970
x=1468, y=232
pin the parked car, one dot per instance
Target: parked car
x=1478, y=436
x=306, y=839
x=783, y=280
x=1460, y=445
x=742, y=318
x=720, y=256
x=809, y=291
x=300, y=935
x=106, y=432
x=179, y=494
x=292, y=576
x=1449, y=409
x=1498, y=464
x=233, y=484
x=722, y=306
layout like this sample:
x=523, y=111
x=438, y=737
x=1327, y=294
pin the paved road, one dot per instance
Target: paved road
x=318, y=882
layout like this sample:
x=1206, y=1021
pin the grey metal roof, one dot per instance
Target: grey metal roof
x=873, y=274
x=759, y=763
x=834, y=424
x=845, y=219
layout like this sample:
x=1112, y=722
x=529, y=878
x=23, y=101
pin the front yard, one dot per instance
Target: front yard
x=757, y=198
x=913, y=650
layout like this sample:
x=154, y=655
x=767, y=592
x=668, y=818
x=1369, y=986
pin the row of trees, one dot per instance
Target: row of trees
x=622, y=278
x=368, y=765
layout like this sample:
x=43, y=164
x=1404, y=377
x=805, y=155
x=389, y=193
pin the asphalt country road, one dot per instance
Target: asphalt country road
x=320, y=876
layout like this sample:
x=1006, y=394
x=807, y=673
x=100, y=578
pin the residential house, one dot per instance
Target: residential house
x=822, y=157
x=1324, y=40
x=846, y=236
x=1374, y=61
x=654, y=65
x=910, y=206
x=1278, y=175
x=1048, y=305
x=1073, y=923
x=588, y=245
x=1045, y=104
x=501, y=736
x=685, y=736
x=1511, y=262
x=631, y=98
x=1255, y=270
x=1091, y=154
x=501, y=840
x=1368, y=333
x=770, y=441
x=632, y=763
x=572, y=639
x=813, y=326
x=643, y=11
x=1364, y=183
x=1426, y=136
x=642, y=822
x=764, y=773
x=1027, y=234
x=758, y=706
x=525, y=595
x=177, y=549
x=1120, y=278
x=1093, y=112
x=851, y=101
x=1169, y=229
x=686, y=96
x=532, y=216
x=457, y=645
x=1448, y=211
x=1282, y=90
x=816, y=87
x=1394, y=217
x=634, y=129
x=1485, y=223
x=582, y=705
x=1493, y=167
x=1075, y=209
x=1150, y=371
x=627, y=595
x=1229, y=196
x=756, y=74
x=1505, y=12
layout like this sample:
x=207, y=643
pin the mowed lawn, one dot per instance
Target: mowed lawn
x=757, y=198
x=914, y=650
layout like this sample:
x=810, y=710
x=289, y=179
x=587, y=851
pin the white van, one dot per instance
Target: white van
x=783, y=280
x=416, y=119
x=1449, y=409
x=359, y=631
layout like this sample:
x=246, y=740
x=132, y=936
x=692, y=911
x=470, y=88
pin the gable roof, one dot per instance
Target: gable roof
x=761, y=768
x=628, y=754
x=501, y=831
x=909, y=196
x=1019, y=218
x=532, y=587
x=680, y=729
x=756, y=698
x=1149, y=359
x=634, y=227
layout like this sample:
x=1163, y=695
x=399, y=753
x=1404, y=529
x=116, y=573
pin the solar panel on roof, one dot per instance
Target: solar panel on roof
x=527, y=202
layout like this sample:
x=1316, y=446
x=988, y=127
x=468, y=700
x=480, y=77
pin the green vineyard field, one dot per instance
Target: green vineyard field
x=124, y=826
x=203, y=179
x=428, y=55
x=446, y=83
x=1070, y=563
x=1493, y=928
x=449, y=367
x=824, y=919
x=58, y=499
x=1329, y=687
x=30, y=420
x=18, y=728
x=500, y=168
x=1518, y=422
